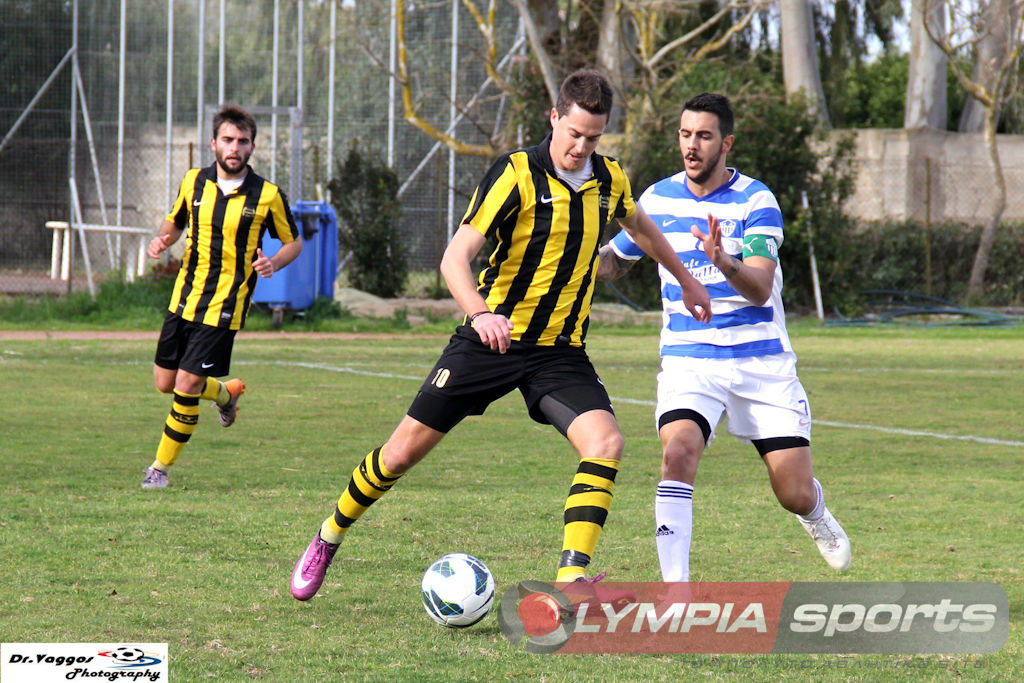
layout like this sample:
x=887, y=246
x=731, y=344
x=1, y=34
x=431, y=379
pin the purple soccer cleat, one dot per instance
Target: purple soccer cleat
x=310, y=570
x=586, y=589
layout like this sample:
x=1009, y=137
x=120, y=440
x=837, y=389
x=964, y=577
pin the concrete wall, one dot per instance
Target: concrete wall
x=932, y=175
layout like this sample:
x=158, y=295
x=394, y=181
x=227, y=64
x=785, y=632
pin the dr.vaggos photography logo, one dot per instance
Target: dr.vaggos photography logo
x=42, y=662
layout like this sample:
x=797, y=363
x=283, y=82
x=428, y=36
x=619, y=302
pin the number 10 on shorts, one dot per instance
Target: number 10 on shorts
x=441, y=377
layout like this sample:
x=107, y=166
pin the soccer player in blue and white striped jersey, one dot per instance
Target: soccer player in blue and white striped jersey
x=727, y=229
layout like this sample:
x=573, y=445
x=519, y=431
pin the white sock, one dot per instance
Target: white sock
x=673, y=520
x=819, y=505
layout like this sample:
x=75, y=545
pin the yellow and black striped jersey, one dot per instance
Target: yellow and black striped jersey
x=222, y=232
x=541, y=273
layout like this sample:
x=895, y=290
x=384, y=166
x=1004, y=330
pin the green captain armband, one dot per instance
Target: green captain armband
x=760, y=245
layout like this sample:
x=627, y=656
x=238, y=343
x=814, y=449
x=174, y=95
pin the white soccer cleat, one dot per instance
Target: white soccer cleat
x=155, y=479
x=832, y=541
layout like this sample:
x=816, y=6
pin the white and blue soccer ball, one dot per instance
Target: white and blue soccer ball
x=458, y=590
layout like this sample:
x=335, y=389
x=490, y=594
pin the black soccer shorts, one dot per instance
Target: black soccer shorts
x=194, y=347
x=469, y=376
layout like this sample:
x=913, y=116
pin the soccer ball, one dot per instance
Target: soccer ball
x=128, y=655
x=458, y=590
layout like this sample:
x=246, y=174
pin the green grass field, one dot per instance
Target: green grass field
x=919, y=442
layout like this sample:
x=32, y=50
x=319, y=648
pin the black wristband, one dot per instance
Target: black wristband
x=477, y=315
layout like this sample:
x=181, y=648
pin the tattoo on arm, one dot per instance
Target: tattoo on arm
x=610, y=266
x=732, y=268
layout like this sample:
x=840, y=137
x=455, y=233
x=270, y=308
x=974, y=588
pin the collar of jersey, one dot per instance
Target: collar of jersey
x=210, y=173
x=724, y=187
x=543, y=157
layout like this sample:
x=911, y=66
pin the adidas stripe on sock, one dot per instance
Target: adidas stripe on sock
x=673, y=519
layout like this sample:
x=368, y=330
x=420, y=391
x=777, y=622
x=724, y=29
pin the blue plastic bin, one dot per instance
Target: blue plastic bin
x=312, y=273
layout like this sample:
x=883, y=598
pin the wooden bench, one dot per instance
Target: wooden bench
x=60, y=257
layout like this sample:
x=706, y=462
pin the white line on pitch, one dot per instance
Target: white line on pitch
x=342, y=368
x=639, y=402
x=911, y=432
x=909, y=371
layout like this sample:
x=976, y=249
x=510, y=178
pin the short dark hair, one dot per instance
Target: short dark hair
x=234, y=114
x=715, y=104
x=587, y=88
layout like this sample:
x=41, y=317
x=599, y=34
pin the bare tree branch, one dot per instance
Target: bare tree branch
x=741, y=25
x=486, y=28
x=752, y=8
x=972, y=25
x=540, y=21
x=411, y=115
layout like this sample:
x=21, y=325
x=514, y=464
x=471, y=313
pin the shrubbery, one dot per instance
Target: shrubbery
x=365, y=194
x=892, y=255
x=776, y=143
x=884, y=255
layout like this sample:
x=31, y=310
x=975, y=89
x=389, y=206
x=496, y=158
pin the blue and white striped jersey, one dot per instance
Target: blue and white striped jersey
x=738, y=329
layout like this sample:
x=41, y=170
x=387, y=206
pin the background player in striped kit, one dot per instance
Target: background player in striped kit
x=526, y=320
x=223, y=210
x=727, y=229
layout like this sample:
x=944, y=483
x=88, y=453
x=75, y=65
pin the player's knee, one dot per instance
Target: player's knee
x=399, y=457
x=190, y=387
x=607, y=446
x=679, y=461
x=163, y=379
x=796, y=498
x=397, y=460
x=614, y=444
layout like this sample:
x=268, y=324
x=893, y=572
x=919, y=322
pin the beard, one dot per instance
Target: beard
x=232, y=166
x=701, y=175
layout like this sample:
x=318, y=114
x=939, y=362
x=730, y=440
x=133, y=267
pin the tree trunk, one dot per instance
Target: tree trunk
x=991, y=51
x=926, y=79
x=613, y=58
x=976, y=282
x=800, y=57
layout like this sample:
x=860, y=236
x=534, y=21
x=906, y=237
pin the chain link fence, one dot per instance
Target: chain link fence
x=80, y=148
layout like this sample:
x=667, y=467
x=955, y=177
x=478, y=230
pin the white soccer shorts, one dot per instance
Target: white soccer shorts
x=761, y=395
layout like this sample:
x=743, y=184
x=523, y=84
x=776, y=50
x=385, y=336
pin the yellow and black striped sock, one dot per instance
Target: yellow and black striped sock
x=369, y=482
x=177, y=429
x=586, y=508
x=215, y=391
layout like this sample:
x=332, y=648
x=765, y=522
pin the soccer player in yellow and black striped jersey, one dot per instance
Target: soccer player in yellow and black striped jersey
x=223, y=210
x=525, y=325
